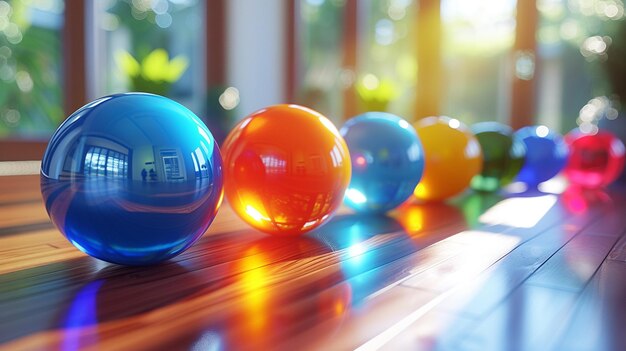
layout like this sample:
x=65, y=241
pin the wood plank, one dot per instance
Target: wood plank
x=275, y=255
x=574, y=264
x=361, y=322
x=481, y=295
x=467, y=270
x=19, y=188
x=492, y=246
x=361, y=282
x=466, y=266
x=424, y=277
x=536, y=309
x=618, y=253
x=613, y=224
x=467, y=239
x=436, y=330
x=26, y=228
x=22, y=214
x=598, y=320
x=12, y=237
x=31, y=304
x=522, y=322
x=290, y=280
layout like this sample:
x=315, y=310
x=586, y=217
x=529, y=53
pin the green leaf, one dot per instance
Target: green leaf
x=176, y=68
x=154, y=66
x=127, y=63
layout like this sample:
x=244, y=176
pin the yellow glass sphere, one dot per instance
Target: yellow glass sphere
x=453, y=157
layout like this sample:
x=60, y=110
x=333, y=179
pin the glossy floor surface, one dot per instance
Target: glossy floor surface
x=534, y=271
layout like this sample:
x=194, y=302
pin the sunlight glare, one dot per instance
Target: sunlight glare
x=255, y=214
x=478, y=26
x=521, y=212
x=355, y=196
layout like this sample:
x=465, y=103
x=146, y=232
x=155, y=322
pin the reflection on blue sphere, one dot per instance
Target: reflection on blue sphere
x=132, y=179
x=546, y=154
x=387, y=161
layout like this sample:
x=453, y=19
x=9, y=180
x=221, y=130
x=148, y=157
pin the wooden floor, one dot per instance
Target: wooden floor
x=534, y=271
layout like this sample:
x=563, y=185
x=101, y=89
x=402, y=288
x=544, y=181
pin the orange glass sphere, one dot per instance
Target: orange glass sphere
x=453, y=157
x=286, y=168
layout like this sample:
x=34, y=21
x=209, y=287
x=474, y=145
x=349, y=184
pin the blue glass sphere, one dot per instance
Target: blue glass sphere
x=387, y=161
x=546, y=154
x=132, y=179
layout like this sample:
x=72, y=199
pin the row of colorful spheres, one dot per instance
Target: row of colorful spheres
x=284, y=169
x=390, y=161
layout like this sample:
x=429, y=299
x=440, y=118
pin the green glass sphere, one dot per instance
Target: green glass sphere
x=503, y=156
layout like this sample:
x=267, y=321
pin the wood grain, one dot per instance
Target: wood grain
x=425, y=277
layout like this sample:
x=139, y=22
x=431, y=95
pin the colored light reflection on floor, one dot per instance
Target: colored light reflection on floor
x=418, y=220
x=482, y=246
x=254, y=280
x=209, y=341
x=412, y=219
x=82, y=313
x=579, y=200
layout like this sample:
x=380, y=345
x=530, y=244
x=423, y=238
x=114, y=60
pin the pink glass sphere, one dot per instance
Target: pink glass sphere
x=595, y=160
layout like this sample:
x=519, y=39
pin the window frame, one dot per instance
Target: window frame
x=74, y=57
x=430, y=75
x=74, y=83
x=74, y=69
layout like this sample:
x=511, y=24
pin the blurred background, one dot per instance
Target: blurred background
x=555, y=62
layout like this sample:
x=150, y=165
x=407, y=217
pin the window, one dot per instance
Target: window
x=104, y=162
x=340, y=57
x=172, y=165
x=320, y=73
x=477, y=40
x=152, y=46
x=387, y=65
x=574, y=38
x=30, y=68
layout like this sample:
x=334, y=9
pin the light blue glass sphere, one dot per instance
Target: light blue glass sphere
x=546, y=154
x=132, y=179
x=387, y=161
